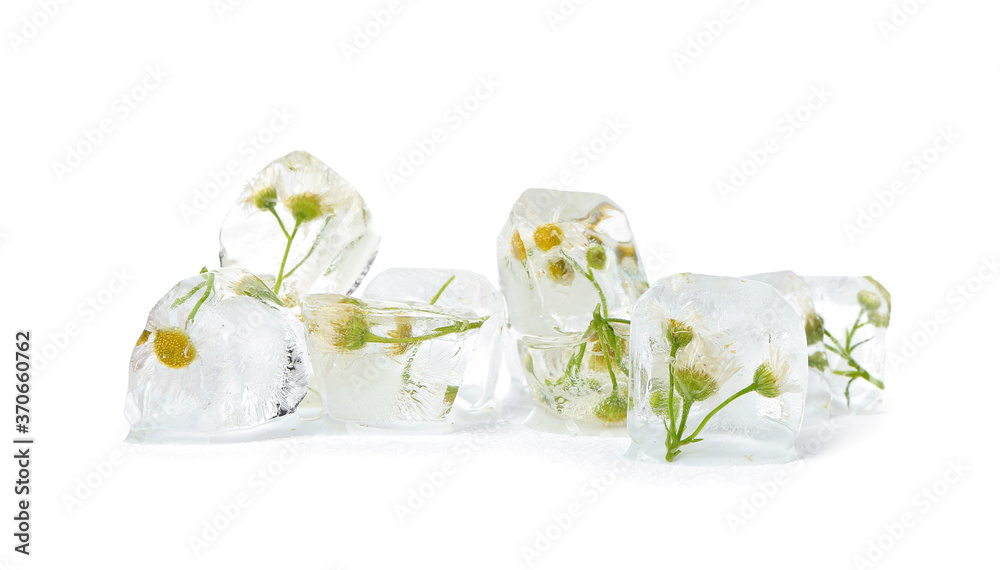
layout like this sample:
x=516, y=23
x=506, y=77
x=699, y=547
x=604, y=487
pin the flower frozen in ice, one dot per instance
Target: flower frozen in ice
x=702, y=367
x=548, y=236
x=772, y=378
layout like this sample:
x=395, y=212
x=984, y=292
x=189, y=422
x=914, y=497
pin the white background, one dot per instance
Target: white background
x=687, y=125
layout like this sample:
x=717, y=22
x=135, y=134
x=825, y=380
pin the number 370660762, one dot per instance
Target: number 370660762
x=22, y=366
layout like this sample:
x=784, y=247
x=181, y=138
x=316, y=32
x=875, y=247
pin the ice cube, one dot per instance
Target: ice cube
x=385, y=364
x=797, y=292
x=854, y=314
x=574, y=380
x=570, y=275
x=560, y=254
x=719, y=367
x=463, y=291
x=302, y=228
x=219, y=352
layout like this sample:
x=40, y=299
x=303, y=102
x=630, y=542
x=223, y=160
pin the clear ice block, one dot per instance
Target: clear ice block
x=463, y=291
x=570, y=275
x=219, y=352
x=300, y=223
x=797, y=292
x=719, y=367
x=560, y=254
x=385, y=364
x=571, y=377
x=854, y=313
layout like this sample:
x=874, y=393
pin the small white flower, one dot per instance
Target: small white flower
x=702, y=366
x=773, y=377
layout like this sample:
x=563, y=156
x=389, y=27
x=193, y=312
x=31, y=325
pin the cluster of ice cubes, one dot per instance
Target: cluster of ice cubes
x=696, y=369
x=236, y=348
x=570, y=274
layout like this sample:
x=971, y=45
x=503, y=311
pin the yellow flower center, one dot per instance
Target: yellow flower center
x=548, y=236
x=561, y=272
x=517, y=246
x=404, y=329
x=143, y=337
x=174, y=348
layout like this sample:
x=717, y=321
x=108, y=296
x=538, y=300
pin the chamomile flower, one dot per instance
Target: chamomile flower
x=308, y=206
x=773, y=377
x=702, y=367
x=548, y=236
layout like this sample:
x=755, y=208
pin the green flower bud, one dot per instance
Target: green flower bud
x=814, y=328
x=869, y=300
x=695, y=384
x=612, y=410
x=817, y=360
x=597, y=258
x=659, y=401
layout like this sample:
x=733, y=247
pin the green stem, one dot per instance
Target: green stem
x=284, y=258
x=685, y=410
x=608, y=355
x=280, y=223
x=311, y=249
x=728, y=400
x=438, y=332
x=441, y=290
x=209, y=285
x=670, y=405
x=846, y=354
x=181, y=300
x=590, y=277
